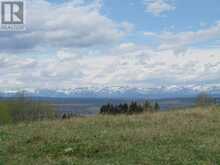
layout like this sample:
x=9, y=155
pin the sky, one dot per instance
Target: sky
x=70, y=44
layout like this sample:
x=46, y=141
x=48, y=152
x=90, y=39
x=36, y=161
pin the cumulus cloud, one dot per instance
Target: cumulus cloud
x=140, y=66
x=175, y=40
x=158, y=7
x=71, y=24
x=180, y=41
x=74, y=25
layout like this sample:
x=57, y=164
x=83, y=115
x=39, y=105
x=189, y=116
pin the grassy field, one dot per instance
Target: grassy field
x=190, y=137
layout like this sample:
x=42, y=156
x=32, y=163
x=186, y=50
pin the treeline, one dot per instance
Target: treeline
x=25, y=109
x=132, y=108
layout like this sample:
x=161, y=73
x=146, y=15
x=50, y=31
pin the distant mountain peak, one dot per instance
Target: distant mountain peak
x=120, y=92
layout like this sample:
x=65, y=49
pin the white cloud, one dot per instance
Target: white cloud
x=158, y=7
x=179, y=42
x=173, y=40
x=66, y=25
x=149, y=34
x=127, y=46
x=72, y=26
x=123, y=66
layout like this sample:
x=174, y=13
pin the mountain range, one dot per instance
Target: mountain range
x=119, y=92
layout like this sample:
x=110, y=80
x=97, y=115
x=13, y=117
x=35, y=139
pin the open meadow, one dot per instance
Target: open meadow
x=188, y=137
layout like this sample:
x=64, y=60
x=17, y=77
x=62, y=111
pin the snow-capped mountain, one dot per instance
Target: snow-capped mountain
x=121, y=92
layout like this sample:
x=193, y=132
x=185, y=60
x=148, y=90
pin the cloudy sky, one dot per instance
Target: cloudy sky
x=135, y=43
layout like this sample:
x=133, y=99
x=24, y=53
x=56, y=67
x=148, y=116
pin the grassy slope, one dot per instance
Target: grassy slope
x=186, y=137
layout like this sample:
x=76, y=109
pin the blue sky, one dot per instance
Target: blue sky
x=136, y=43
x=188, y=15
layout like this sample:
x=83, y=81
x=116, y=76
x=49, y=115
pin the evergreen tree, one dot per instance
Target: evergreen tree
x=133, y=108
x=156, y=106
x=147, y=106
